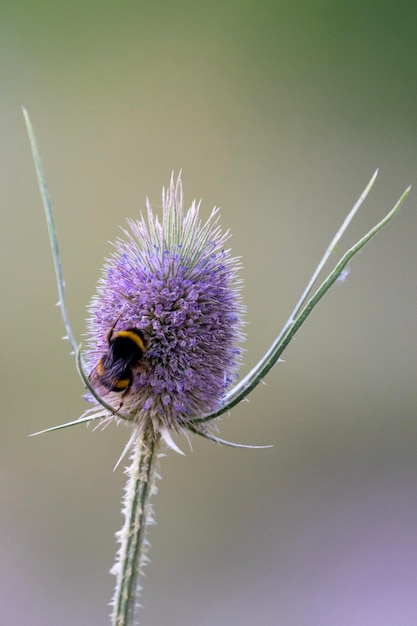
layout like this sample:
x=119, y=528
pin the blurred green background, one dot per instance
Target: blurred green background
x=279, y=112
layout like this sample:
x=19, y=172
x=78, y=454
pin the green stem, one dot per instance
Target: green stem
x=131, y=557
x=51, y=230
x=330, y=250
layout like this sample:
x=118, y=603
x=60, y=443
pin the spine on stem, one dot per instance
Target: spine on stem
x=137, y=510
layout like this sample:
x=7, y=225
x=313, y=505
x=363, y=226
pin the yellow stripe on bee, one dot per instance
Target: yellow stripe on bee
x=123, y=383
x=129, y=334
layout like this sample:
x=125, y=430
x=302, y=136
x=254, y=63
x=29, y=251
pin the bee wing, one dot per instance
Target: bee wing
x=106, y=380
x=96, y=380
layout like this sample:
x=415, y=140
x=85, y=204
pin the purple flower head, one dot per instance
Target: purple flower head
x=174, y=281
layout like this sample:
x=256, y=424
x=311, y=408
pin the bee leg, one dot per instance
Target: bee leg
x=122, y=399
x=118, y=408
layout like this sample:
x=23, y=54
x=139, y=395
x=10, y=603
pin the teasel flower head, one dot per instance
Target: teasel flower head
x=174, y=280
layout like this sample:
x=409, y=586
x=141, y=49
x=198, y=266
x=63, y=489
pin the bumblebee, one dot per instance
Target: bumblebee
x=115, y=370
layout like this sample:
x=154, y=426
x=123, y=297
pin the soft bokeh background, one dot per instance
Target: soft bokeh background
x=279, y=112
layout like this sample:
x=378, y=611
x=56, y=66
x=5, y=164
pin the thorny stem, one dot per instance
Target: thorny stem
x=53, y=240
x=137, y=511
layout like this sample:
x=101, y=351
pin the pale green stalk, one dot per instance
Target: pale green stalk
x=53, y=240
x=132, y=555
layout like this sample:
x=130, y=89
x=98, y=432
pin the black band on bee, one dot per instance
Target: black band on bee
x=134, y=334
